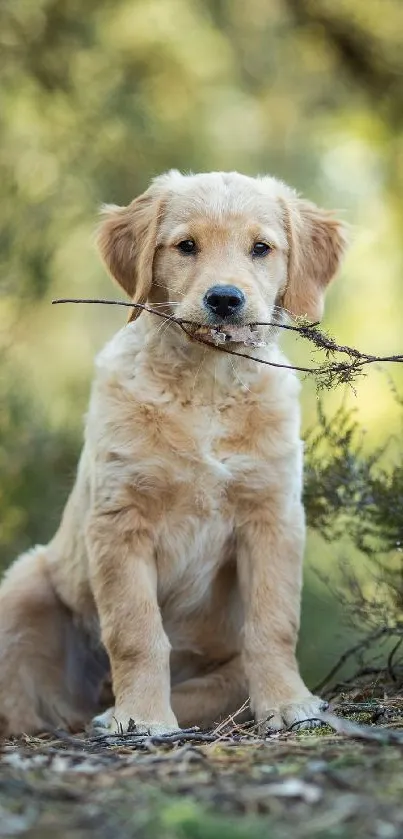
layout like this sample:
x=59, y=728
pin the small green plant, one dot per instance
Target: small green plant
x=349, y=493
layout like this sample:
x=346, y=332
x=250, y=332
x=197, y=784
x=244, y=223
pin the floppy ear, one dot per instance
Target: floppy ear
x=127, y=241
x=316, y=242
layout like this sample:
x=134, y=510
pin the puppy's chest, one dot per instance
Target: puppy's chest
x=207, y=452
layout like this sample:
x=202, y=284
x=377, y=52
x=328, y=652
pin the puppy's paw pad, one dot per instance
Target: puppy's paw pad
x=302, y=714
x=113, y=722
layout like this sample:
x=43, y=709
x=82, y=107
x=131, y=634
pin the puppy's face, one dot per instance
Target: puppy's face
x=223, y=249
x=222, y=252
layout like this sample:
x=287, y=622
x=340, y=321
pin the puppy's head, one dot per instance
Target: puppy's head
x=223, y=249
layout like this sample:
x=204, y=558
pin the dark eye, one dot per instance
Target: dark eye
x=261, y=249
x=187, y=246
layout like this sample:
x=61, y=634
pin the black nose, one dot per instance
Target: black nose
x=224, y=300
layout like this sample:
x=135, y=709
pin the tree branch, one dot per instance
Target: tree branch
x=328, y=374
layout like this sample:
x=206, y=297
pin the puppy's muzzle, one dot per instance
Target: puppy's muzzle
x=224, y=301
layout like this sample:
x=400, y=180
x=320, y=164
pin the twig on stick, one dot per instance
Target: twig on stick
x=328, y=374
x=360, y=731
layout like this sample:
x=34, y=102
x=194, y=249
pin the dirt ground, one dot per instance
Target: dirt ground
x=342, y=780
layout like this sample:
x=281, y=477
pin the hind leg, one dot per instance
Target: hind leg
x=47, y=677
x=208, y=699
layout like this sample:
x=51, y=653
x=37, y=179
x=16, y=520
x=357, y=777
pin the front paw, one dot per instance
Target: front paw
x=298, y=713
x=102, y=723
x=115, y=721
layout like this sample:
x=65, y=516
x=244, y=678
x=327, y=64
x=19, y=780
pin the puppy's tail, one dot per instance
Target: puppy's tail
x=44, y=657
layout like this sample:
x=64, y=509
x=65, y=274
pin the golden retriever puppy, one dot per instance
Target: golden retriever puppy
x=176, y=570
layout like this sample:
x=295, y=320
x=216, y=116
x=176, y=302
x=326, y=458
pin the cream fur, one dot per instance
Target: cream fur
x=178, y=559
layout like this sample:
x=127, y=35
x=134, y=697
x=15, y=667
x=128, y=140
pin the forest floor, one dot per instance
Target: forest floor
x=342, y=780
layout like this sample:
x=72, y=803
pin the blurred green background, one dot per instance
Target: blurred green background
x=96, y=98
